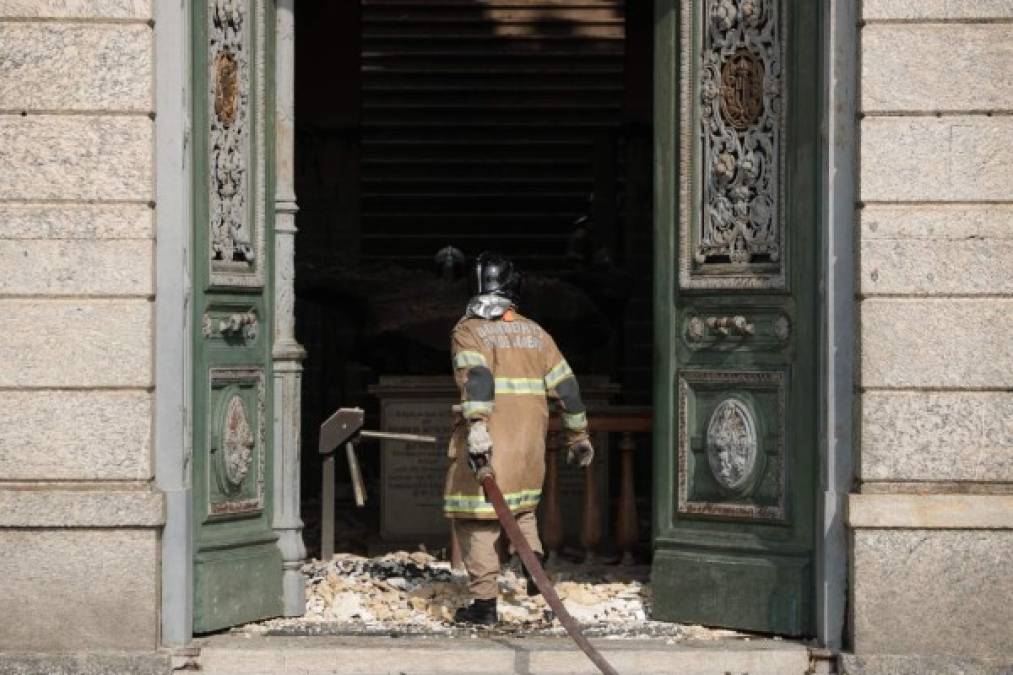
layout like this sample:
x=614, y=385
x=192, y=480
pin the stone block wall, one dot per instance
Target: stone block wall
x=79, y=516
x=932, y=515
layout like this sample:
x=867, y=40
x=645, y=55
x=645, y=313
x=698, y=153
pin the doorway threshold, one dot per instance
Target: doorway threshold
x=249, y=654
x=390, y=614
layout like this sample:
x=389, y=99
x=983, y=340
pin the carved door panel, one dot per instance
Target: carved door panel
x=737, y=105
x=237, y=564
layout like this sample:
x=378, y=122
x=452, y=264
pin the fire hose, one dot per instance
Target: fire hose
x=527, y=556
x=344, y=427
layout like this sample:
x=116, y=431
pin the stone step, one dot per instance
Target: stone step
x=441, y=655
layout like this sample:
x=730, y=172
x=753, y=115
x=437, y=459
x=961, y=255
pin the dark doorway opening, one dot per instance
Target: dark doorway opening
x=517, y=126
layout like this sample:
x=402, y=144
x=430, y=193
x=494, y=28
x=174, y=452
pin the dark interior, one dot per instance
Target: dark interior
x=516, y=126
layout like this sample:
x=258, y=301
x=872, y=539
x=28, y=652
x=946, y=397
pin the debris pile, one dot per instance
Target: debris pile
x=416, y=593
x=398, y=588
x=419, y=593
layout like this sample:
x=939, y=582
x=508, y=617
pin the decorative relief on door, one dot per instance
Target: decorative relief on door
x=731, y=448
x=731, y=443
x=237, y=444
x=782, y=327
x=237, y=437
x=742, y=89
x=235, y=142
x=232, y=326
x=755, y=328
x=732, y=233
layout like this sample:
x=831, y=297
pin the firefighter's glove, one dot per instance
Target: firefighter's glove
x=580, y=453
x=479, y=447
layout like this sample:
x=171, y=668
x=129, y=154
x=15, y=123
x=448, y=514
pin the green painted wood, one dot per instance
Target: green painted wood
x=237, y=564
x=739, y=558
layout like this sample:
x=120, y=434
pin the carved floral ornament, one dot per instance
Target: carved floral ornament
x=746, y=462
x=741, y=118
x=236, y=438
x=237, y=442
x=230, y=325
x=234, y=452
x=731, y=443
x=229, y=134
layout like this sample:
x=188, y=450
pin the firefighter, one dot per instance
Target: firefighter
x=506, y=366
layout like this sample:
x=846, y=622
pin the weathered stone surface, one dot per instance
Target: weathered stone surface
x=70, y=589
x=495, y=655
x=939, y=343
x=912, y=512
x=77, y=221
x=914, y=664
x=937, y=221
x=96, y=505
x=61, y=66
x=85, y=343
x=936, y=249
x=937, y=9
x=937, y=266
x=937, y=436
x=950, y=158
x=968, y=611
x=937, y=67
x=76, y=157
x=77, y=9
x=110, y=267
x=87, y=663
x=42, y=435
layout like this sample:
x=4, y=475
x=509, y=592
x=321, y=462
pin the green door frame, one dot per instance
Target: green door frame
x=173, y=225
x=838, y=153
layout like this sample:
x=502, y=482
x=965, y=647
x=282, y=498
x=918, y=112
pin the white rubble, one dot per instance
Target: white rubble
x=415, y=592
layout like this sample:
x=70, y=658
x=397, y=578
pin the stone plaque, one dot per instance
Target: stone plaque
x=412, y=475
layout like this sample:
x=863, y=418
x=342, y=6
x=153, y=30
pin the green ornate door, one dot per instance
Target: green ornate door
x=737, y=105
x=237, y=564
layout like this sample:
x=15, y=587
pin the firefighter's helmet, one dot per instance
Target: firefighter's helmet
x=496, y=275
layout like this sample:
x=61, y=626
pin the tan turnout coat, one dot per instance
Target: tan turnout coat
x=527, y=367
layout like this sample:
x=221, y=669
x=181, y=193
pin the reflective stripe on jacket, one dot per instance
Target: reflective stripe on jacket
x=506, y=370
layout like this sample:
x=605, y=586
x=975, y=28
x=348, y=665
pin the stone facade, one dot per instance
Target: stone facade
x=932, y=520
x=79, y=517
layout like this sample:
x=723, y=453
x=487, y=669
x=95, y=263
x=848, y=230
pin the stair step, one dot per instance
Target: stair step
x=444, y=655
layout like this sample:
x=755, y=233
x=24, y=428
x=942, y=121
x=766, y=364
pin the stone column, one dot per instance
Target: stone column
x=287, y=353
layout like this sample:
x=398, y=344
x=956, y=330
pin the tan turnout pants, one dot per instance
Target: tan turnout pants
x=482, y=545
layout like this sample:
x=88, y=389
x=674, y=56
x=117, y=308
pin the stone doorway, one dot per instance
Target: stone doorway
x=317, y=82
x=427, y=132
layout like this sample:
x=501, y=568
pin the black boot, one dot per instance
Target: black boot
x=480, y=612
x=531, y=586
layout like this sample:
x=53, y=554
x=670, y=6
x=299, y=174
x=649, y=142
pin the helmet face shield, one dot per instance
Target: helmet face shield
x=496, y=275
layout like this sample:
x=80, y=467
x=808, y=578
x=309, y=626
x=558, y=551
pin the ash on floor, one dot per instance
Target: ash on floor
x=414, y=593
